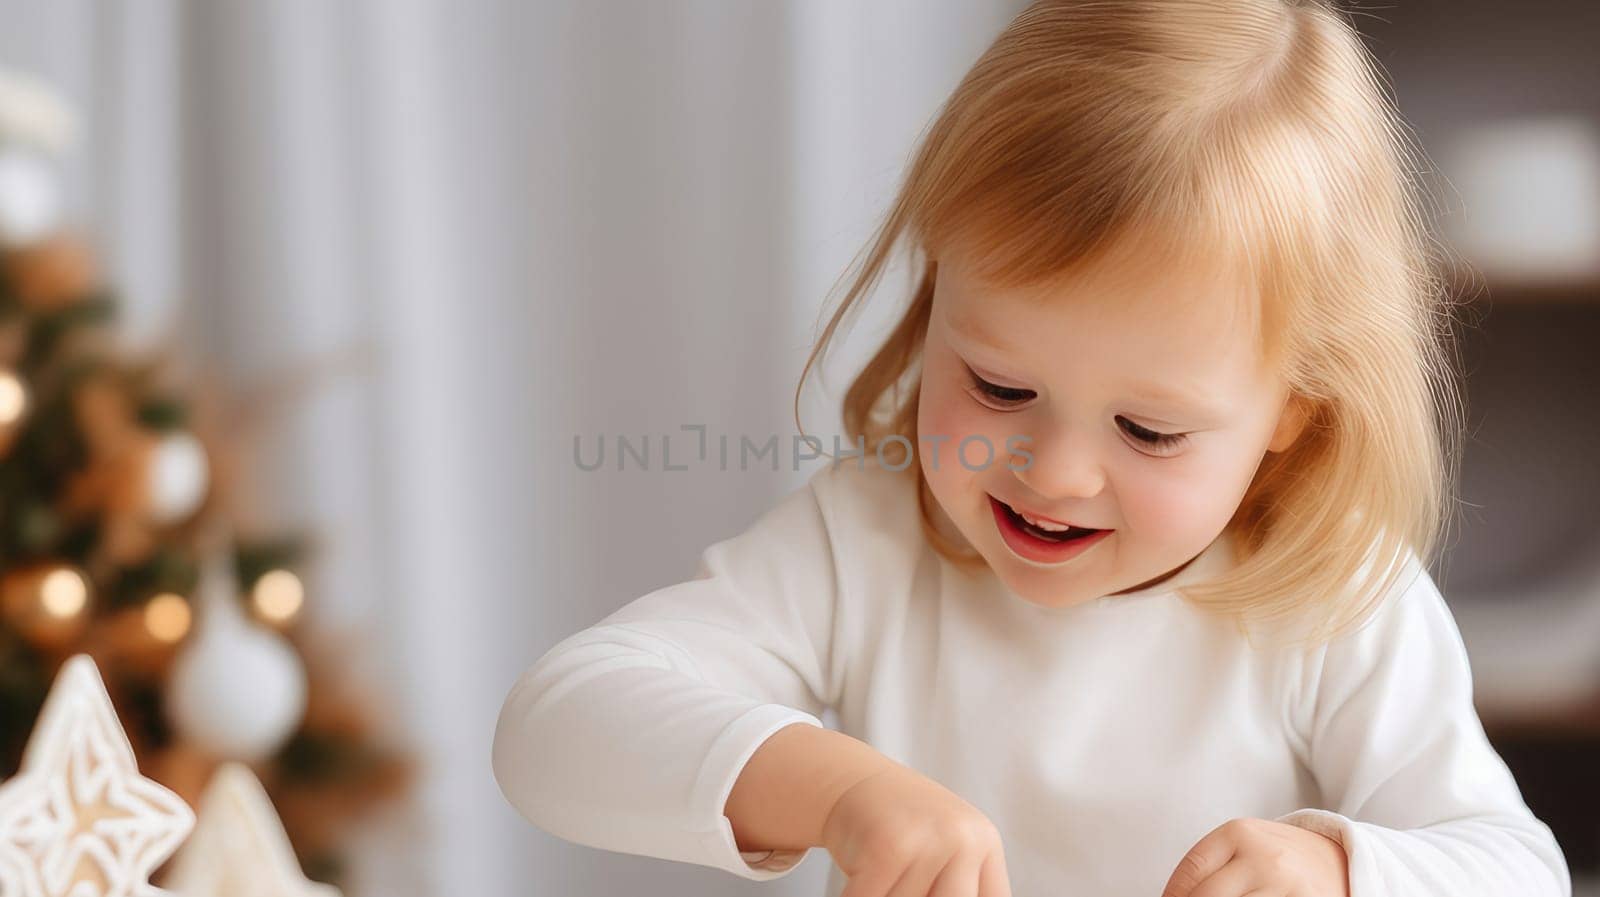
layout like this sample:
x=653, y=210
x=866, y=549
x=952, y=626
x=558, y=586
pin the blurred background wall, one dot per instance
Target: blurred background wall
x=533, y=221
x=529, y=222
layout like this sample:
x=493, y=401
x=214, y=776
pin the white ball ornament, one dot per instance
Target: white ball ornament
x=237, y=690
x=36, y=127
x=31, y=204
x=178, y=477
x=32, y=112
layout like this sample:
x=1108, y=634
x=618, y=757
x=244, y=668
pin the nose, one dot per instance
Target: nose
x=1060, y=467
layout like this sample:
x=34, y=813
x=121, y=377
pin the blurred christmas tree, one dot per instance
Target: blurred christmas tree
x=116, y=519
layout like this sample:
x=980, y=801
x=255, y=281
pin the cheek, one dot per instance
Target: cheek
x=946, y=415
x=1185, y=499
x=941, y=414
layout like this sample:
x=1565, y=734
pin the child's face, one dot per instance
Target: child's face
x=1073, y=360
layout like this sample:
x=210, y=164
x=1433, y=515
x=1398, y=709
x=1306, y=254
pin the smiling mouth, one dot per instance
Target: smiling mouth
x=1072, y=533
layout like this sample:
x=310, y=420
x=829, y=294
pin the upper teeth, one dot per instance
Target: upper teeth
x=1050, y=525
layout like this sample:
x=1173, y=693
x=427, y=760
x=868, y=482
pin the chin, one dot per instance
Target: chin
x=1053, y=601
x=1045, y=589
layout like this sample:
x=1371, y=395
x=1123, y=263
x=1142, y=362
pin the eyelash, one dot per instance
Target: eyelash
x=1007, y=395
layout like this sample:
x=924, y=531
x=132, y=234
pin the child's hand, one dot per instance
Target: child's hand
x=898, y=833
x=1258, y=856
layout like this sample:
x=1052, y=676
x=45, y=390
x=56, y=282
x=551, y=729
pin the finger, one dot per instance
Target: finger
x=993, y=881
x=1207, y=856
x=873, y=881
x=960, y=877
x=1235, y=878
x=919, y=876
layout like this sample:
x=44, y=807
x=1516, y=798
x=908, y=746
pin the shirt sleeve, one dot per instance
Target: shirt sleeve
x=629, y=735
x=1422, y=803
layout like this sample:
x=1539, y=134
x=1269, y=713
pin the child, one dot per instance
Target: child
x=1126, y=596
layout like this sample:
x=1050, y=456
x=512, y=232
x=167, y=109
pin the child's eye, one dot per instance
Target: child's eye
x=995, y=394
x=1150, y=437
x=1009, y=397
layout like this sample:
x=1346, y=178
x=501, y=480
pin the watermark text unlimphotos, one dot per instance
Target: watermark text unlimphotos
x=743, y=452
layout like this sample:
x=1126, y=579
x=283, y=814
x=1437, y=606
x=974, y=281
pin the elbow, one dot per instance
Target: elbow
x=1546, y=862
x=1534, y=859
x=513, y=755
x=1560, y=874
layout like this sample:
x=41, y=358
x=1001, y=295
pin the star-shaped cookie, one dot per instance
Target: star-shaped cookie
x=239, y=847
x=78, y=820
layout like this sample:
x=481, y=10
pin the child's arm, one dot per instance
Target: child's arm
x=1422, y=803
x=629, y=735
x=784, y=794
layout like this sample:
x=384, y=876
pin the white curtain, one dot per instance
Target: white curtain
x=538, y=222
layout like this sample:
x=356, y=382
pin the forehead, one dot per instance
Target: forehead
x=1195, y=320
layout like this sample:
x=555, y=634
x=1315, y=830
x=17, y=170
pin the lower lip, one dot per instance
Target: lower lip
x=1032, y=548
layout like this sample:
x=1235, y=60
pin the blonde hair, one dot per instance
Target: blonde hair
x=1259, y=128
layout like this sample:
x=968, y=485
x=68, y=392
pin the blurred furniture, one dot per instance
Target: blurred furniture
x=1523, y=581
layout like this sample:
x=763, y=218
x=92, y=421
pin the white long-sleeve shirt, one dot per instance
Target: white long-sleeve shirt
x=1103, y=740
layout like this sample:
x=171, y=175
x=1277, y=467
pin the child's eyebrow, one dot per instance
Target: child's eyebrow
x=969, y=327
x=1178, y=397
